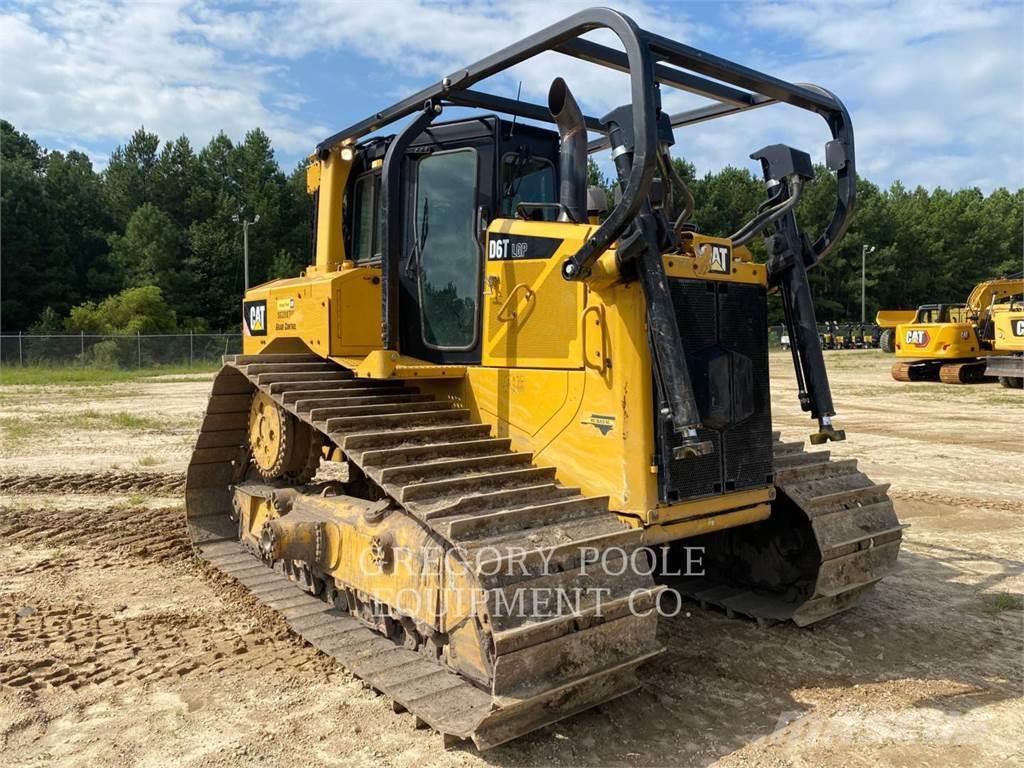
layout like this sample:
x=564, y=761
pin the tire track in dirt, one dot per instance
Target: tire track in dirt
x=117, y=531
x=50, y=642
x=156, y=483
x=74, y=645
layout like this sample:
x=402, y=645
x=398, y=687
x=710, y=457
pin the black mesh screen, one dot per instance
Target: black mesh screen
x=725, y=334
x=743, y=327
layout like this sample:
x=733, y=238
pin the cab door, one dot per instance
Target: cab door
x=449, y=200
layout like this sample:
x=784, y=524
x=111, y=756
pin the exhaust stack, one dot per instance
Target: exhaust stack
x=572, y=156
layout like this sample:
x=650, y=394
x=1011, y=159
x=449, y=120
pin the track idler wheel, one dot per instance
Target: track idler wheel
x=271, y=436
x=282, y=446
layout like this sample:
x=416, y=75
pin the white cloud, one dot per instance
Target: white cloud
x=935, y=90
x=90, y=72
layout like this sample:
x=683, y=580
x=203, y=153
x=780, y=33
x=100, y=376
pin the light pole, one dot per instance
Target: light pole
x=864, y=251
x=245, y=241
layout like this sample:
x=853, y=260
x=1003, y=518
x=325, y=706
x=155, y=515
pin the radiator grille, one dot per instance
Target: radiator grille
x=726, y=322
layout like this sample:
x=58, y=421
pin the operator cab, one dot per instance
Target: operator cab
x=940, y=313
x=457, y=177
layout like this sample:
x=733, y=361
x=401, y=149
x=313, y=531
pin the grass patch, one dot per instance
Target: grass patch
x=125, y=420
x=51, y=375
x=1000, y=602
x=13, y=397
x=93, y=419
x=16, y=430
x=148, y=461
x=1005, y=399
x=175, y=379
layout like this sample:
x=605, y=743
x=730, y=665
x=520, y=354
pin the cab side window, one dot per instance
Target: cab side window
x=365, y=220
x=446, y=248
x=527, y=179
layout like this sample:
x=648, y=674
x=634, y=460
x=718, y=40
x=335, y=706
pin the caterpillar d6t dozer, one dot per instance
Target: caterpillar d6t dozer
x=948, y=342
x=533, y=411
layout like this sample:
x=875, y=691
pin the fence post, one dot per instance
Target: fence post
x=190, y=348
x=138, y=337
x=83, y=346
x=21, y=357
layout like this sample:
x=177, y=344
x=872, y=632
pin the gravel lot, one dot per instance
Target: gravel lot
x=119, y=648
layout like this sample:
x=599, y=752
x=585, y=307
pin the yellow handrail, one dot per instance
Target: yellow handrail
x=512, y=295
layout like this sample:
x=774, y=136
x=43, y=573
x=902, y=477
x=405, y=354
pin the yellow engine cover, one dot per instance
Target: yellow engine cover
x=329, y=314
x=949, y=341
x=1009, y=329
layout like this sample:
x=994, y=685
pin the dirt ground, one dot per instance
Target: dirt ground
x=117, y=647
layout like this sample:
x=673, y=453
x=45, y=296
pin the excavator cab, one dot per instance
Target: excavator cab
x=940, y=313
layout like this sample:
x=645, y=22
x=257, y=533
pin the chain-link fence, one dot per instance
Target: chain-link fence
x=123, y=351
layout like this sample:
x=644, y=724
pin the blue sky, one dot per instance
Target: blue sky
x=936, y=90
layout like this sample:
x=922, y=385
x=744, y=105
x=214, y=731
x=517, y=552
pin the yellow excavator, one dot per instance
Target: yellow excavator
x=948, y=342
x=485, y=439
x=1008, y=342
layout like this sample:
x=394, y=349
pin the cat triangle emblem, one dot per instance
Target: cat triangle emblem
x=721, y=259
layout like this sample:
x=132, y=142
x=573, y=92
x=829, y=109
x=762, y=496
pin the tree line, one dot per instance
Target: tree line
x=159, y=215
x=925, y=246
x=152, y=239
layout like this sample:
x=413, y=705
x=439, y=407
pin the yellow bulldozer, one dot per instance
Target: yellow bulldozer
x=474, y=450
x=948, y=342
x=1008, y=342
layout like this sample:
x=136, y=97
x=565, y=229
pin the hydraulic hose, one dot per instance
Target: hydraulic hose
x=749, y=231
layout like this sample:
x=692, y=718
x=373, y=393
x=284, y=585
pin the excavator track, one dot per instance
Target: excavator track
x=832, y=536
x=474, y=493
x=903, y=372
x=961, y=372
x=972, y=372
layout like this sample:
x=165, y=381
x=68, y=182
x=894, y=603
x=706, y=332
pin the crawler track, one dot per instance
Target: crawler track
x=964, y=373
x=904, y=372
x=473, y=492
x=956, y=372
x=832, y=536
